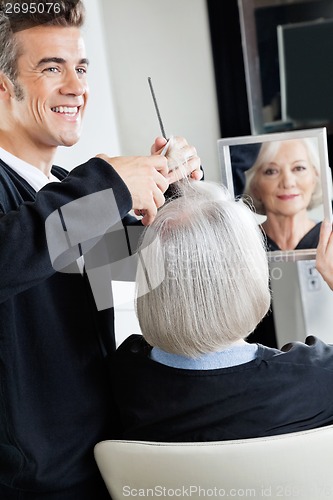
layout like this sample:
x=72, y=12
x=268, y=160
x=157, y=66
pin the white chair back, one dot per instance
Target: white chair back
x=289, y=466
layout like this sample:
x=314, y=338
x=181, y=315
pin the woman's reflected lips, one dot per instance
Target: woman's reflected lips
x=287, y=197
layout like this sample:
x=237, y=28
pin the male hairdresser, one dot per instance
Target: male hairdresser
x=54, y=397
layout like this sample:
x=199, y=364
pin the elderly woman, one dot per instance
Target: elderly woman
x=202, y=287
x=284, y=184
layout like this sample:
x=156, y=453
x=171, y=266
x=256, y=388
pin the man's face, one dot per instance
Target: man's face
x=52, y=76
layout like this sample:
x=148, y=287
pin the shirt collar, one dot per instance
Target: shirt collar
x=35, y=177
x=232, y=356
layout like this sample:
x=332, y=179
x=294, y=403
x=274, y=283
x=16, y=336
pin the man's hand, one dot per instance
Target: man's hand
x=324, y=260
x=183, y=160
x=146, y=180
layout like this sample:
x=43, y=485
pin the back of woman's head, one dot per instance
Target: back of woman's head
x=202, y=281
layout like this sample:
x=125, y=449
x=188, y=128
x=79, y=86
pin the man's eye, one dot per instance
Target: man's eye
x=81, y=71
x=51, y=70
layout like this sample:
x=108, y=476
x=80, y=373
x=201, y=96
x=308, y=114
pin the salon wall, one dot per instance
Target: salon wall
x=170, y=42
x=129, y=40
x=100, y=131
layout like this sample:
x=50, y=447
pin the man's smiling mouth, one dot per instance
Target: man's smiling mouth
x=67, y=110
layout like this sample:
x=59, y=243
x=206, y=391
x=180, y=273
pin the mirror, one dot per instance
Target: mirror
x=288, y=67
x=286, y=179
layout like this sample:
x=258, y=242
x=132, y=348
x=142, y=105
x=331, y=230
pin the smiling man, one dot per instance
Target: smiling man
x=54, y=396
x=51, y=93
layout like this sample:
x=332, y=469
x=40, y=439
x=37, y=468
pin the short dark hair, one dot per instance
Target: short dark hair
x=18, y=15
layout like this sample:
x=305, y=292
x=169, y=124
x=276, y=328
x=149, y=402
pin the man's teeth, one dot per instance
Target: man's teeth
x=65, y=109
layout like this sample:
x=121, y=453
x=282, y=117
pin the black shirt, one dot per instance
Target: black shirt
x=278, y=392
x=54, y=393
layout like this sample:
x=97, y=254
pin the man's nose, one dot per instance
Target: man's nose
x=73, y=84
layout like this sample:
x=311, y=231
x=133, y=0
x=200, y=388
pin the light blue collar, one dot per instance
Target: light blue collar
x=232, y=356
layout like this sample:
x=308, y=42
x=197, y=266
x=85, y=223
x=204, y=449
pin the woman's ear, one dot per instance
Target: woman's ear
x=316, y=178
x=316, y=171
x=255, y=190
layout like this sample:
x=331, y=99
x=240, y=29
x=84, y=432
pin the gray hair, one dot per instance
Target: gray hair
x=15, y=16
x=210, y=252
x=269, y=149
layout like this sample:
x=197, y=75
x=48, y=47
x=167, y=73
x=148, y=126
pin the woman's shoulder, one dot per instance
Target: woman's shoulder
x=134, y=344
x=313, y=352
x=311, y=239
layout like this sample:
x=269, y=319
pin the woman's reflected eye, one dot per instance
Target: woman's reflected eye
x=300, y=168
x=270, y=171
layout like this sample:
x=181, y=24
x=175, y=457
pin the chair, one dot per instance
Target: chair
x=295, y=466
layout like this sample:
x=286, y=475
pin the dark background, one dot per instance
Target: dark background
x=229, y=68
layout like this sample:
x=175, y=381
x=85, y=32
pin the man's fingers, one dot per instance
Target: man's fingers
x=160, y=164
x=197, y=175
x=183, y=160
x=158, y=145
x=149, y=215
x=159, y=197
x=149, y=211
x=145, y=178
x=161, y=182
x=190, y=168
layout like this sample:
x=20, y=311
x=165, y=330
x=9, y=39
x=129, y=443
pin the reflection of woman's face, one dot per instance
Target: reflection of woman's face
x=285, y=183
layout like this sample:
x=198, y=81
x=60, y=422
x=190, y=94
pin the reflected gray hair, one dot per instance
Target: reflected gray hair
x=267, y=151
x=215, y=288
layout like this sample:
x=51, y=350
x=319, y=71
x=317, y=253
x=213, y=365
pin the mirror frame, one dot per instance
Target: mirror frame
x=249, y=37
x=325, y=177
x=251, y=65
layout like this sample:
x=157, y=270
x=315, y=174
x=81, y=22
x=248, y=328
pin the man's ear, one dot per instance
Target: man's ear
x=6, y=87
